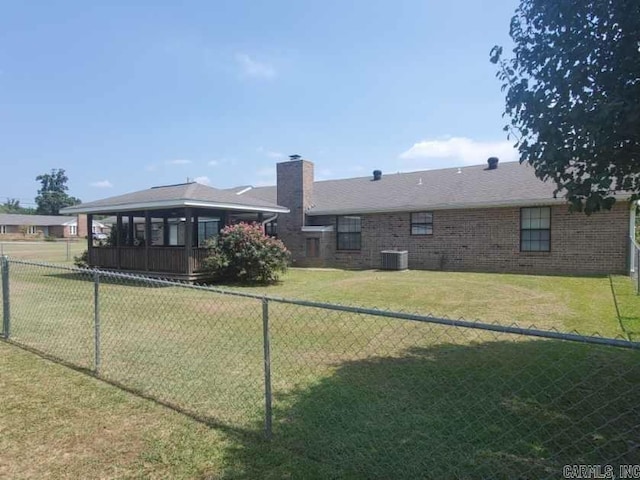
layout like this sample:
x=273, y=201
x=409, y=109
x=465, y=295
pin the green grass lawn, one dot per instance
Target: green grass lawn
x=355, y=396
x=57, y=252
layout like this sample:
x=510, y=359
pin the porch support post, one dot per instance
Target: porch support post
x=89, y=236
x=118, y=240
x=224, y=216
x=260, y=220
x=165, y=230
x=131, y=228
x=147, y=238
x=188, y=239
x=195, y=241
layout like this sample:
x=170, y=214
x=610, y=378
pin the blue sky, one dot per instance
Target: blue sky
x=128, y=95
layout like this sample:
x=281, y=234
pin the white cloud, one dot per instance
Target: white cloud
x=101, y=184
x=460, y=151
x=214, y=163
x=252, y=68
x=204, y=180
x=179, y=161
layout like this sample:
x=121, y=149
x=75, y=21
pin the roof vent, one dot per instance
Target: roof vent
x=377, y=175
x=493, y=163
x=294, y=157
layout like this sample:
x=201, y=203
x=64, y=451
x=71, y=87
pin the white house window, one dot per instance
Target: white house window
x=73, y=230
x=535, y=229
x=422, y=223
x=31, y=230
x=349, y=232
x=3, y=229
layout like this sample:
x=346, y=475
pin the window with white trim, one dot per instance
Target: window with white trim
x=31, y=230
x=3, y=229
x=535, y=229
x=73, y=230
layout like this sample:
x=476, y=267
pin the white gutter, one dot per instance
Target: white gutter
x=162, y=204
x=445, y=206
x=437, y=206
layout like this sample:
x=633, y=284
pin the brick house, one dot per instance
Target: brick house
x=495, y=218
x=18, y=226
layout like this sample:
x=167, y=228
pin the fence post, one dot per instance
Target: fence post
x=637, y=271
x=96, y=321
x=6, y=315
x=268, y=414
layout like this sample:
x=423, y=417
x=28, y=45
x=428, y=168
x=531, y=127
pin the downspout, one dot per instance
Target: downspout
x=270, y=219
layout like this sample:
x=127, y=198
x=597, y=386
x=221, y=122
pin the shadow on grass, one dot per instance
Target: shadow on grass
x=105, y=278
x=491, y=410
x=627, y=303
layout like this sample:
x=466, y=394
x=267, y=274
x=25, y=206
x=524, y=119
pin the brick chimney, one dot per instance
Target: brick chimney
x=295, y=191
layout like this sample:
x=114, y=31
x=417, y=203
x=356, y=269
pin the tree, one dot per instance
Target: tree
x=12, y=205
x=53, y=194
x=573, y=96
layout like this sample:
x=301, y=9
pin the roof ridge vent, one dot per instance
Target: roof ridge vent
x=173, y=185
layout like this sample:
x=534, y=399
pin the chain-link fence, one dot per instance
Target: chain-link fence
x=59, y=250
x=365, y=393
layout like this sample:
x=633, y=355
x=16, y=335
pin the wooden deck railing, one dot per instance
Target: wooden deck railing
x=160, y=259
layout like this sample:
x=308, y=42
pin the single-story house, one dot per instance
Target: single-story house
x=497, y=217
x=18, y=226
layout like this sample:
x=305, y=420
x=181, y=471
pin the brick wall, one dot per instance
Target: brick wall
x=295, y=191
x=82, y=225
x=485, y=240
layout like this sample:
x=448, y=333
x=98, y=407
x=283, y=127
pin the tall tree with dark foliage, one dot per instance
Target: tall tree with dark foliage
x=572, y=89
x=53, y=195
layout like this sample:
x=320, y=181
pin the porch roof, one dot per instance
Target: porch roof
x=174, y=196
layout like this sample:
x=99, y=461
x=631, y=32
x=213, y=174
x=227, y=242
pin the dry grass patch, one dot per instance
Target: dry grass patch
x=58, y=423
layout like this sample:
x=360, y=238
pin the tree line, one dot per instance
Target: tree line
x=52, y=196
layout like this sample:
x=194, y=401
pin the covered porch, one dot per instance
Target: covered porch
x=168, y=237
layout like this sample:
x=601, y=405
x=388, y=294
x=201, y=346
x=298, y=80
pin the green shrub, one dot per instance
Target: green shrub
x=50, y=238
x=243, y=253
x=82, y=260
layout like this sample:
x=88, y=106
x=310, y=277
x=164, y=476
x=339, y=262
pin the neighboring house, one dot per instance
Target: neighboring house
x=18, y=226
x=486, y=218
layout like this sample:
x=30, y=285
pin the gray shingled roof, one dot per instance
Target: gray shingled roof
x=467, y=187
x=35, y=220
x=186, y=194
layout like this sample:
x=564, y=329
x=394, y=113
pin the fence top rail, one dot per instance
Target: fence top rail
x=461, y=323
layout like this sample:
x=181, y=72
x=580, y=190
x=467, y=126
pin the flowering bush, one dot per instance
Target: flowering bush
x=243, y=253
